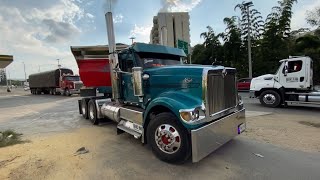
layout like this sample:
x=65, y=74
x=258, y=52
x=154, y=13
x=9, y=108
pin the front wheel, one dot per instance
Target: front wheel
x=67, y=92
x=169, y=140
x=270, y=98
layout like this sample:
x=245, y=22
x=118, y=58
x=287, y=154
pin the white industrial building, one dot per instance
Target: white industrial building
x=169, y=27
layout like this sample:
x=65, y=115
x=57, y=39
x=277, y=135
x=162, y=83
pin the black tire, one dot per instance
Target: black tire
x=84, y=108
x=183, y=152
x=92, y=113
x=67, y=92
x=52, y=91
x=270, y=98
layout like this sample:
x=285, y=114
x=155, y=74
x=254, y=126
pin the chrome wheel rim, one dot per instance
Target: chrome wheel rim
x=269, y=99
x=83, y=109
x=91, y=114
x=167, y=139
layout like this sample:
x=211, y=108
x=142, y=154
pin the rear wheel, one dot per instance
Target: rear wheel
x=38, y=91
x=92, y=112
x=84, y=108
x=169, y=140
x=270, y=98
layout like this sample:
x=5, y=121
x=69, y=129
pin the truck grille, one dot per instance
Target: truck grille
x=77, y=85
x=221, y=91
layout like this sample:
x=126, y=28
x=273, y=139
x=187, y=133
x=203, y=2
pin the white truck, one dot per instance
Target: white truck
x=291, y=85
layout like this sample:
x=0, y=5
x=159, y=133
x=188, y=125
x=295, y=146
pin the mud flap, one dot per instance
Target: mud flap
x=79, y=106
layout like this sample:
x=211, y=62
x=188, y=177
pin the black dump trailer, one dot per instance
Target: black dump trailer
x=42, y=82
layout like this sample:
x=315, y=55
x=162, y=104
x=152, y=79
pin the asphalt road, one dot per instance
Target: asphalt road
x=241, y=158
x=252, y=104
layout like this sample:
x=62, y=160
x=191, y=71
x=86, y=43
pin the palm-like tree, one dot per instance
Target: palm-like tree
x=210, y=38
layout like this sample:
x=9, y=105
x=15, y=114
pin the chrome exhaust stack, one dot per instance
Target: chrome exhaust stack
x=113, y=57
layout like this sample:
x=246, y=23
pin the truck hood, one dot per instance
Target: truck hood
x=185, y=79
x=264, y=77
x=264, y=81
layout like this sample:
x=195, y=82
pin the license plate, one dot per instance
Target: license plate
x=241, y=128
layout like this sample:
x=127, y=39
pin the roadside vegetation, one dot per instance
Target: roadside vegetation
x=9, y=137
x=272, y=39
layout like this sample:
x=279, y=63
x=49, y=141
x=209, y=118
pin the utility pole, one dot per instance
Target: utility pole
x=59, y=63
x=132, y=38
x=248, y=5
x=25, y=74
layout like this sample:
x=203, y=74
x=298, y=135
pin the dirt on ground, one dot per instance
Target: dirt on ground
x=51, y=157
x=289, y=131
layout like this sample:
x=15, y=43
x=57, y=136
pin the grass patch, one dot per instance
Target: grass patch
x=9, y=137
x=312, y=124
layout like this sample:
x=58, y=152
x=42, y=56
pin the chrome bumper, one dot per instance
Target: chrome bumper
x=208, y=138
x=74, y=91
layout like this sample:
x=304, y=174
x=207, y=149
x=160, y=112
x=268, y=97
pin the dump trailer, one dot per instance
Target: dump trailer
x=291, y=85
x=94, y=69
x=180, y=110
x=58, y=81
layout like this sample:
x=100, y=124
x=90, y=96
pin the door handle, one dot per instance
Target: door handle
x=123, y=83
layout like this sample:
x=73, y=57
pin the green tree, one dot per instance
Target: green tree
x=212, y=45
x=251, y=20
x=232, y=46
x=313, y=17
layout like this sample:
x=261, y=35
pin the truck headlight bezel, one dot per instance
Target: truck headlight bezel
x=192, y=115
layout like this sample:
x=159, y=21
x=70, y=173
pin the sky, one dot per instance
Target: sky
x=37, y=33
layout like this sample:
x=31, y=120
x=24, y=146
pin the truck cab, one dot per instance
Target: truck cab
x=292, y=82
x=70, y=84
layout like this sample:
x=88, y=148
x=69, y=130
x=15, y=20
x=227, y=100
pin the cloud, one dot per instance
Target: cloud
x=178, y=5
x=59, y=31
x=141, y=33
x=118, y=18
x=89, y=15
x=38, y=32
x=299, y=16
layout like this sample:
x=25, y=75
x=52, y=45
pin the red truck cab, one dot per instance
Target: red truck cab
x=71, y=84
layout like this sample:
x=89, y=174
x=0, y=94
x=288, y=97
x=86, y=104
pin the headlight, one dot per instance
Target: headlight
x=190, y=115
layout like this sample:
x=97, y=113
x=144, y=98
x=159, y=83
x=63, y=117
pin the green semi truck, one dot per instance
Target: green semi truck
x=180, y=110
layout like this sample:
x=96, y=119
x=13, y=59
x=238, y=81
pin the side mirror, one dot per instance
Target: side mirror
x=137, y=81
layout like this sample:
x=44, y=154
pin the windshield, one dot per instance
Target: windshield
x=72, y=78
x=153, y=62
x=150, y=60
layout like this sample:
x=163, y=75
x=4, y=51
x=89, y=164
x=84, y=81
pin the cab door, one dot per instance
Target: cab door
x=293, y=74
x=126, y=62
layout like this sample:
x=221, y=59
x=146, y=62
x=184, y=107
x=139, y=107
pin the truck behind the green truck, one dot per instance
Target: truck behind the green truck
x=179, y=110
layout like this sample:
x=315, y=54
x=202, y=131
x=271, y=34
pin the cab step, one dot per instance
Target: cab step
x=130, y=127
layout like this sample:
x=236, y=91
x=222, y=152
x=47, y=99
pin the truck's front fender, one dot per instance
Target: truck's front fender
x=174, y=101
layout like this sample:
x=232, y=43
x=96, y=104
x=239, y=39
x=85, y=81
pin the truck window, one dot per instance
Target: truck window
x=72, y=78
x=126, y=62
x=150, y=60
x=293, y=66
